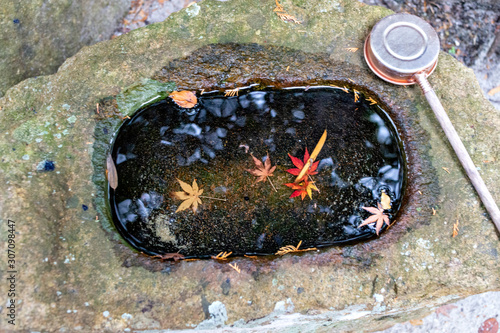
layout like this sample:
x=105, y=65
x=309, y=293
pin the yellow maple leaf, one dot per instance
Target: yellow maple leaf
x=190, y=195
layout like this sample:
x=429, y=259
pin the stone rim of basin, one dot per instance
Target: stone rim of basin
x=409, y=215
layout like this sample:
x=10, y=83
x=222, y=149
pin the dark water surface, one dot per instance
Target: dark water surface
x=212, y=143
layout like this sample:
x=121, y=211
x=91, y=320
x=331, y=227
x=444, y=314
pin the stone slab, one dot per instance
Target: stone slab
x=74, y=273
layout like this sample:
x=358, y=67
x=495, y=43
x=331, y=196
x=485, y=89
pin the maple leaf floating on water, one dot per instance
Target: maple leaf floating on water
x=185, y=99
x=300, y=165
x=378, y=216
x=303, y=188
x=190, y=195
x=385, y=200
x=263, y=170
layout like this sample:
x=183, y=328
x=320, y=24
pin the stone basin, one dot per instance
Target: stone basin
x=220, y=141
x=76, y=273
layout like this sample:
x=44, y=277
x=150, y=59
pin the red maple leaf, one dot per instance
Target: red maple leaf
x=300, y=164
x=302, y=188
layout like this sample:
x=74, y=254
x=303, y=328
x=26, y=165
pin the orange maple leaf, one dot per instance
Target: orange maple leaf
x=185, y=99
x=263, y=170
x=302, y=188
x=378, y=216
x=299, y=165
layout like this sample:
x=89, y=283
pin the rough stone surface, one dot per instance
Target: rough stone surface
x=74, y=273
x=37, y=36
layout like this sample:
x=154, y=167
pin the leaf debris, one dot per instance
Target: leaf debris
x=455, y=229
x=494, y=91
x=283, y=15
x=290, y=249
x=356, y=95
x=231, y=92
x=166, y=256
x=371, y=100
x=222, y=256
x=236, y=268
x=252, y=257
x=352, y=49
x=446, y=169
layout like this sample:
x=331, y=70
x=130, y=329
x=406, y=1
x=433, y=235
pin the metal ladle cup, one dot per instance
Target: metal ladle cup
x=403, y=49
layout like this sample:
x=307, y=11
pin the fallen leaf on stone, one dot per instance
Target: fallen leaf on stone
x=385, y=200
x=378, y=216
x=236, y=268
x=455, y=229
x=445, y=309
x=185, y=99
x=352, y=49
x=175, y=256
x=263, y=170
x=494, y=91
x=488, y=326
x=416, y=322
x=111, y=173
x=284, y=16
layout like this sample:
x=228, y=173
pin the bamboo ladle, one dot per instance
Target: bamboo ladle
x=403, y=49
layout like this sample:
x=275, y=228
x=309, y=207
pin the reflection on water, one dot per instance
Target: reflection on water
x=212, y=143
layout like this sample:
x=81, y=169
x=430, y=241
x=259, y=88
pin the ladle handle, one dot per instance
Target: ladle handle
x=460, y=150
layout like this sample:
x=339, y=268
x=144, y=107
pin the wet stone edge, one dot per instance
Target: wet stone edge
x=229, y=66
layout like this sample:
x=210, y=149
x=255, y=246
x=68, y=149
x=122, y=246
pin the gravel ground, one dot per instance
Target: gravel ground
x=468, y=30
x=478, y=313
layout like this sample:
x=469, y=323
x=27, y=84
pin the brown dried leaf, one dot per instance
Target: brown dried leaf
x=385, y=200
x=262, y=170
x=175, y=256
x=111, y=173
x=185, y=99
